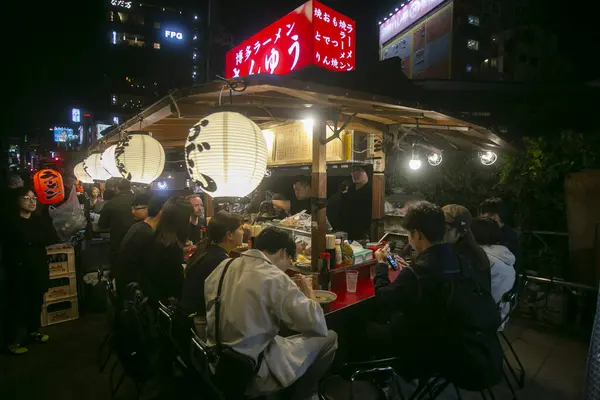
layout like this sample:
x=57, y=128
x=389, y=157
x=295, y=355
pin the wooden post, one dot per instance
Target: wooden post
x=378, y=199
x=319, y=191
x=208, y=205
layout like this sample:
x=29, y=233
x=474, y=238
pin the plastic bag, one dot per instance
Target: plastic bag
x=68, y=218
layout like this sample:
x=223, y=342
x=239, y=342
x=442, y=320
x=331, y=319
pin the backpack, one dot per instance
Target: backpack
x=135, y=335
x=469, y=353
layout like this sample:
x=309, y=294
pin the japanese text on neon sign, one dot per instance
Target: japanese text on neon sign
x=311, y=34
x=173, y=35
x=121, y=3
x=334, y=39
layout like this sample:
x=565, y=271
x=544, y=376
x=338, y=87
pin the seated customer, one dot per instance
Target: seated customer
x=224, y=234
x=162, y=274
x=494, y=208
x=136, y=243
x=502, y=261
x=415, y=297
x=460, y=236
x=258, y=299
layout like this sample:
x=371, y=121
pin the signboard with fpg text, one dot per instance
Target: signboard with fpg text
x=311, y=34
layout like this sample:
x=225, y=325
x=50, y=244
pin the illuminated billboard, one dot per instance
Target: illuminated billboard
x=406, y=16
x=100, y=128
x=63, y=135
x=311, y=34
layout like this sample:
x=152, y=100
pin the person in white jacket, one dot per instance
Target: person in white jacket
x=258, y=300
x=488, y=234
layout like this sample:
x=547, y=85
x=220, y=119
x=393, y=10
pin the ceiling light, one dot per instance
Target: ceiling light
x=396, y=9
x=434, y=159
x=414, y=162
x=488, y=157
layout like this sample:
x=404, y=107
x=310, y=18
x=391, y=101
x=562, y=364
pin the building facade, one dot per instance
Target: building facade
x=486, y=40
x=149, y=49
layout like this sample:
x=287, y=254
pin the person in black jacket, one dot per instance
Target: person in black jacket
x=414, y=300
x=117, y=216
x=136, y=243
x=26, y=270
x=494, y=208
x=162, y=275
x=460, y=236
x=224, y=234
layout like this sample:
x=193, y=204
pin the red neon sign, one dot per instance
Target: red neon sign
x=311, y=34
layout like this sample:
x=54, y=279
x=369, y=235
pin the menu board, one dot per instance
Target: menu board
x=293, y=144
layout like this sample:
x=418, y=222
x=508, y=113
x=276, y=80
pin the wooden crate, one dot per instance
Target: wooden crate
x=61, y=259
x=59, y=311
x=61, y=286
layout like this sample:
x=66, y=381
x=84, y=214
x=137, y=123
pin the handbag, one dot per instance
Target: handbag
x=234, y=372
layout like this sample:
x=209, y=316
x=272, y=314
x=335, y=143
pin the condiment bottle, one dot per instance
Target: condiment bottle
x=324, y=281
x=330, y=247
x=338, y=251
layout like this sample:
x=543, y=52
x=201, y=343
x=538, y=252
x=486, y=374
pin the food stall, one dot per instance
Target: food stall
x=315, y=128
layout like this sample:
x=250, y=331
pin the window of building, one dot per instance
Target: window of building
x=493, y=62
x=157, y=25
x=157, y=46
x=127, y=38
x=473, y=20
x=473, y=44
x=469, y=68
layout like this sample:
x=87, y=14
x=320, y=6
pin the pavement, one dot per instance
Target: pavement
x=66, y=367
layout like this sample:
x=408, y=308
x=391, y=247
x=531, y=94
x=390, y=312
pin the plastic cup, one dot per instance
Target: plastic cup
x=351, y=281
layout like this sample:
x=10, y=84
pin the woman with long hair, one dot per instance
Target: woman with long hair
x=164, y=262
x=460, y=235
x=26, y=267
x=223, y=234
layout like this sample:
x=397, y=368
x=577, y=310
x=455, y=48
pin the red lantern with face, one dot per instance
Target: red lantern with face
x=49, y=187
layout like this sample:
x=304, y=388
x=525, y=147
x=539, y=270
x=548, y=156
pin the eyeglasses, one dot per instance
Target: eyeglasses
x=29, y=198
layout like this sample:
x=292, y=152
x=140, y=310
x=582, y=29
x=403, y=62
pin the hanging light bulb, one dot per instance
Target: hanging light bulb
x=488, y=157
x=434, y=159
x=414, y=162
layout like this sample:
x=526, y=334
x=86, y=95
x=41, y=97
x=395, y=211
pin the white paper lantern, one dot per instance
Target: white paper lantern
x=109, y=162
x=93, y=166
x=226, y=154
x=140, y=158
x=80, y=174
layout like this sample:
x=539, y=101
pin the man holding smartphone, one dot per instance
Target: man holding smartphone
x=414, y=299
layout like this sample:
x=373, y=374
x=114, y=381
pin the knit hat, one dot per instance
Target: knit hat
x=457, y=217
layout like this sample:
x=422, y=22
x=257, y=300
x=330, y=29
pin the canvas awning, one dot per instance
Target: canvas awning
x=275, y=100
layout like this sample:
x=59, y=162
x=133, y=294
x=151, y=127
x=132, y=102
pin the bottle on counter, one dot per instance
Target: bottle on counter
x=330, y=247
x=324, y=281
x=338, y=251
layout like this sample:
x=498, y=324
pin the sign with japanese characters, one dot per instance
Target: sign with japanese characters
x=405, y=17
x=121, y=3
x=311, y=34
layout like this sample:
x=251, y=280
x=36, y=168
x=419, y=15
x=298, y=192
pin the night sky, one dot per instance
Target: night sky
x=52, y=48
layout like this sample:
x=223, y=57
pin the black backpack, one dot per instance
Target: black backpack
x=469, y=353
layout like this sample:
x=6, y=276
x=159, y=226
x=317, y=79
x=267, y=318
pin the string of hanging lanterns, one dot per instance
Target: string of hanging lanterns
x=139, y=158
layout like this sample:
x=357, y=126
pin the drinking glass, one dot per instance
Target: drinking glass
x=351, y=281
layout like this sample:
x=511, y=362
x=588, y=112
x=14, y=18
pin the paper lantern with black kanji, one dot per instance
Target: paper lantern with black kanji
x=48, y=186
x=140, y=158
x=93, y=166
x=80, y=174
x=109, y=162
x=226, y=154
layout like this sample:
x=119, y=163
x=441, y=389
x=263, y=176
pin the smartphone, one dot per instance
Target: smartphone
x=392, y=262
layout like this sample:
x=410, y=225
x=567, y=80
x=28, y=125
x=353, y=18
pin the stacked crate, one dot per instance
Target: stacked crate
x=60, y=302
